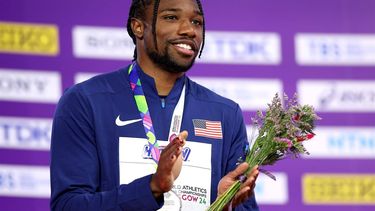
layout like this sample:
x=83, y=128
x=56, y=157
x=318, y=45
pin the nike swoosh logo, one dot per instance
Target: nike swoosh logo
x=120, y=123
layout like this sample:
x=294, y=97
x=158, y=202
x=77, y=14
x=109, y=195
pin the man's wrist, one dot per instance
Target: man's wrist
x=156, y=191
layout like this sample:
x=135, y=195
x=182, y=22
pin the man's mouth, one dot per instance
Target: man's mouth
x=185, y=48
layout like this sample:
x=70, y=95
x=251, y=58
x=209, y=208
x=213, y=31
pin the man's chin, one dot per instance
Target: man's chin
x=177, y=69
x=172, y=64
x=180, y=67
x=175, y=66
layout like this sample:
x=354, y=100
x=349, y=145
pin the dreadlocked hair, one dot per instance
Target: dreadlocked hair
x=137, y=10
x=204, y=27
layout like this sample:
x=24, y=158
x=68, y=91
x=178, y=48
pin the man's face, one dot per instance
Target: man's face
x=179, y=32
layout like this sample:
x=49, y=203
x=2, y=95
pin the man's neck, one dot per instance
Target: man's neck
x=164, y=80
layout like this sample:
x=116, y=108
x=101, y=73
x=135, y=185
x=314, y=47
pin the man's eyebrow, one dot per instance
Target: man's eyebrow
x=197, y=12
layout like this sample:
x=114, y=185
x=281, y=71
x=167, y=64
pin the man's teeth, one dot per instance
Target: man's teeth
x=188, y=47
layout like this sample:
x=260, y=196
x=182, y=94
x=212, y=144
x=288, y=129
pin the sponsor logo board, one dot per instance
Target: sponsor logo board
x=25, y=133
x=338, y=95
x=335, y=49
x=30, y=86
x=24, y=181
x=28, y=38
x=81, y=76
x=250, y=94
x=336, y=189
x=102, y=42
x=268, y=191
x=241, y=48
x=342, y=143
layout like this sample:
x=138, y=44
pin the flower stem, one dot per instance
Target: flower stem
x=226, y=197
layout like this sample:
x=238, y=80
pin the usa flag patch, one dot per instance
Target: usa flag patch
x=206, y=128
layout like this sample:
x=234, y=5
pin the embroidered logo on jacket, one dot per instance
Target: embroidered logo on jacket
x=206, y=128
x=121, y=123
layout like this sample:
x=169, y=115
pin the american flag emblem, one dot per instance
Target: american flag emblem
x=206, y=128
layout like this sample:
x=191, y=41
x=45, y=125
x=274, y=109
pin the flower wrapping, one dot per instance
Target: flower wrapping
x=281, y=133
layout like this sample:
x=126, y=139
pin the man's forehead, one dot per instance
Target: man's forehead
x=172, y=5
x=177, y=5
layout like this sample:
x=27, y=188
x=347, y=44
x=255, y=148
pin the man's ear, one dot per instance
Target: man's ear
x=137, y=28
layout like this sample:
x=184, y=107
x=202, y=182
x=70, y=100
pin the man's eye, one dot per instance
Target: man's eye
x=197, y=22
x=170, y=17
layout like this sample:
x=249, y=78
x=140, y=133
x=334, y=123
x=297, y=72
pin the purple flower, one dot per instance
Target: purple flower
x=284, y=140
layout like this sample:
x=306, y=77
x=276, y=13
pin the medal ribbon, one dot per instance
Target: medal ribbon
x=140, y=100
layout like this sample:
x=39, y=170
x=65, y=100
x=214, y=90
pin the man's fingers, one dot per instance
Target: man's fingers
x=242, y=195
x=243, y=191
x=241, y=169
x=183, y=136
x=170, y=163
x=180, y=139
x=249, y=182
x=176, y=143
x=254, y=172
x=174, y=152
x=176, y=140
x=174, y=148
x=254, y=169
x=251, y=177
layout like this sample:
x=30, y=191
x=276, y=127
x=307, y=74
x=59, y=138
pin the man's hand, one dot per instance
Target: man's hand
x=169, y=166
x=247, y=187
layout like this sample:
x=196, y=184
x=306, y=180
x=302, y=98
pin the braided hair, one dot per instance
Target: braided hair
x=137, y=10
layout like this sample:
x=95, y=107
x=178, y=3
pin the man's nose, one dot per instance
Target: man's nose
x=187, y=28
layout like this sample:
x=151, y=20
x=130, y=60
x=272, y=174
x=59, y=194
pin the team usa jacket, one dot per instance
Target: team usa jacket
x=85, y=152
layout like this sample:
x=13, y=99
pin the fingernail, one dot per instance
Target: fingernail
x=172, y=137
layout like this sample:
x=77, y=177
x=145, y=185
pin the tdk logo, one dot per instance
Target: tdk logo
x=25, y=133
x=242, y=48
x=146, y=154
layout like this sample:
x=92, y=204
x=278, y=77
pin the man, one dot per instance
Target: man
x=107, y=149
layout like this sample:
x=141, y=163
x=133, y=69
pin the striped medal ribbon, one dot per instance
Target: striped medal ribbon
x=140, y=100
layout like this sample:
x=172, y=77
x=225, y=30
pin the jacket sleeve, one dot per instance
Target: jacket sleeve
x=75, y=164
x=239, y=145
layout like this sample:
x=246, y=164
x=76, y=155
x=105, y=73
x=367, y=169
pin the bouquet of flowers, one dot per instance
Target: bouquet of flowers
x=282, y=131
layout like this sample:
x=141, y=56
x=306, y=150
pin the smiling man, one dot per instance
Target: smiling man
x=116, y=140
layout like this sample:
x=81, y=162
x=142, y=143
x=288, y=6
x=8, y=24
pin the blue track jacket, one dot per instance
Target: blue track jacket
x=85, y=140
